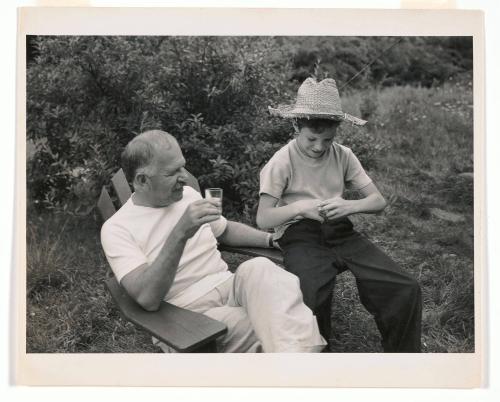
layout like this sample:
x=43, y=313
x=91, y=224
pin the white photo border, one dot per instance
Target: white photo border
x=462, y=370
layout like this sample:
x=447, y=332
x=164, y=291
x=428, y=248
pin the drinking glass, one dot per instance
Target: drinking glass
x=211, y=193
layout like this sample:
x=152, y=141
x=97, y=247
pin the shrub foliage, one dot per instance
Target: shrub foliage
x=88, y=96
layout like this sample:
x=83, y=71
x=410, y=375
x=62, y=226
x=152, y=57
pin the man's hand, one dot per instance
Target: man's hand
x=336, y=208
x=197, y=214
x=309, y=209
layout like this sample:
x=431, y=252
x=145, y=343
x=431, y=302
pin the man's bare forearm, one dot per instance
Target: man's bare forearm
x=239, y=234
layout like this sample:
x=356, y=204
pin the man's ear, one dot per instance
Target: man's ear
x=141, y=181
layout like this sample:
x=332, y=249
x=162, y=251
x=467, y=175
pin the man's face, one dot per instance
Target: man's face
x=168, y=177
x=314, y=144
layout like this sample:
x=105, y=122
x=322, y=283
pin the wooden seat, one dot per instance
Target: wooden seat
x=181, y=329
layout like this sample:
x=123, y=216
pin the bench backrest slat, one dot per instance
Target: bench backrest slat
x=105, y=205
x=193, y=182
x=121, y=187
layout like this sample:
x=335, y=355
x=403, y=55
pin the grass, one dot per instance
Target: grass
x=428, y=133
x=69, y=310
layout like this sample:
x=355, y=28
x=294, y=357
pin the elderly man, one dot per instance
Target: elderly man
x=161, y=245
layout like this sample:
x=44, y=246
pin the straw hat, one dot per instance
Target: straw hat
x=316, y=100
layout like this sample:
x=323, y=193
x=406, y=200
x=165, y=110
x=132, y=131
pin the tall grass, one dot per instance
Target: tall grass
x=427, y=142
x=429, y=132
x=69, y=310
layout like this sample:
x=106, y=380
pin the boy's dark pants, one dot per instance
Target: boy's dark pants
x=316, y=252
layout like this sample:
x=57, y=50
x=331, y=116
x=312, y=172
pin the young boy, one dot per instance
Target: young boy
x=301, y=190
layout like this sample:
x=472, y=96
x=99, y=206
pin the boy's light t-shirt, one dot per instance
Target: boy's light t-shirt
x=291, y=176
x=134, y=235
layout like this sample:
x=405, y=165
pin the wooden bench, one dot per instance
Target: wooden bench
x=181, y=329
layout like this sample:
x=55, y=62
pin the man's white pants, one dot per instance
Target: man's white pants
x=262, y=306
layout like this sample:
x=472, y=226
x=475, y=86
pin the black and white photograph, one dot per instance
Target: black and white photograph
x=250, y=194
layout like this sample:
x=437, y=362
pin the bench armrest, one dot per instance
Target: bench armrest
x=273, y=254
x=181, y=329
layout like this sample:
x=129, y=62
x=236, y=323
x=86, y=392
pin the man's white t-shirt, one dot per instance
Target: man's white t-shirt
x=135, y=234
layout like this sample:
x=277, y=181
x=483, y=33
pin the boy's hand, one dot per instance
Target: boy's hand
x=275, y=242
x=335, y=208
x=309, y=209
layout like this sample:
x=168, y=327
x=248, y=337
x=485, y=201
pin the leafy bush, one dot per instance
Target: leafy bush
x=364, y=62
x=365, y=145
x=87, y=97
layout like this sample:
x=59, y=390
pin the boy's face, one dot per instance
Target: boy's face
x=313, y=143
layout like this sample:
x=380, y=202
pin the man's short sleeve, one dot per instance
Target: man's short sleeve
x=355, y=177
x=274, y=177
x=122, y=253
x=218, y=226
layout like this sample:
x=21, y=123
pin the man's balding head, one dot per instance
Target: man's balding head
x=140, y=153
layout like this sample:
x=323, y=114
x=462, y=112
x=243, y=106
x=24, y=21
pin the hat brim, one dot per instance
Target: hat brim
x=289, y=112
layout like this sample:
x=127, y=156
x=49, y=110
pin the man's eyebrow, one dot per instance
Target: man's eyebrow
x=177, y=167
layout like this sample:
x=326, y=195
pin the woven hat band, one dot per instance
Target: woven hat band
x=315, y=107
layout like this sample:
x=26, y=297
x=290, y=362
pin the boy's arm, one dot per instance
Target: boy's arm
x=372, y=202
x=269, y=216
